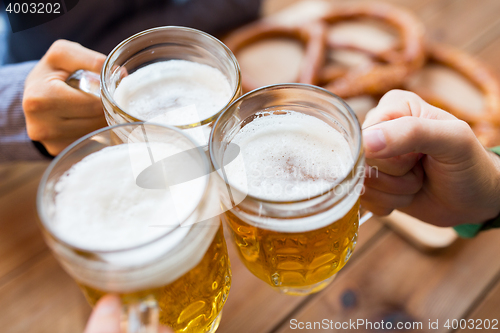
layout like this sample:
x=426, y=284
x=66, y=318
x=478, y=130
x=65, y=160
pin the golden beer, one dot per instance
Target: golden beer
x=191, y=100
x=292, y=160
x=295, y=260
x=193, y=302
x=119, y=223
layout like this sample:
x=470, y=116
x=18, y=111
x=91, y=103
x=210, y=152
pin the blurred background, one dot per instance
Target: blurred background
x=402, y=270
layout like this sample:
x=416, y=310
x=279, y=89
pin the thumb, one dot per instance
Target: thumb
x=106, y=316
x=449, y=141
x=70, y=56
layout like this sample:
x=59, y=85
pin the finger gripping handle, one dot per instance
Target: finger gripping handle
x=141, y=317
x=86, y=81
x=365, y=215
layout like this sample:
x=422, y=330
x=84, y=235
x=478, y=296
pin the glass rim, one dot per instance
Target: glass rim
x=305, y=86
x=41, y=210
x=126, y=41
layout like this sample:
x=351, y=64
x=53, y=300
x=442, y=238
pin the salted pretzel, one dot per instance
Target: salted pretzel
x=486, y=124
x=389, y=69
x=476, y=73
x=312, y=36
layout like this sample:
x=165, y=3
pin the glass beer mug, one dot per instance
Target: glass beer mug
x=293, y=207
x=161, y=250
x=188, y=97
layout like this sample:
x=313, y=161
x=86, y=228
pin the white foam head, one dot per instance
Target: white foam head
x=290, y=156
x=166, y=88
x=99, y=207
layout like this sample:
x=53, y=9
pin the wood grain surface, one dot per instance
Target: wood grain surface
x=386, y=279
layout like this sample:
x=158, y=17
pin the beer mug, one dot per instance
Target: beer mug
x=143, y=54
x=159, y=249
x=300, y=172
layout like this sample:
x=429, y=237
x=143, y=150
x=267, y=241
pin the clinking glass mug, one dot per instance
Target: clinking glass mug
x=296, y=245
x=138, y=51
x=179, y=274
x=153, y=46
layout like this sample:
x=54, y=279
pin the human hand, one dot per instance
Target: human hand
x=430, y=164
x=57, y=114
x=105, y=317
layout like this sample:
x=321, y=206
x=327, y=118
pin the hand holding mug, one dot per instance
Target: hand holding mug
x=430, y=164
x=57, y=114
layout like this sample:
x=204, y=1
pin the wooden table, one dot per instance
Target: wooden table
x=386, y=279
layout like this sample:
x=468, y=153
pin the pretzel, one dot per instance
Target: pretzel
x=312, y=36
x=488, y=134
x=475, y=72
x=390, y=68
x=486, y=125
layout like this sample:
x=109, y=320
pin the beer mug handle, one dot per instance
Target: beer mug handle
x=141, y=317
x=86, y=81
x=364, y=215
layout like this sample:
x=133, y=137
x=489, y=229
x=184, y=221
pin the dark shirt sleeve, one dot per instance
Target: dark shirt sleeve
x=14, y=141
x=212, y=16
x=101, y=25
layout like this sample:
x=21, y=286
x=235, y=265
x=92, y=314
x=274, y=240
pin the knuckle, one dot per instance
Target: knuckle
x=382, y=211
x=58, y=45
x=462, y=126
x=37, y=99
x=32, y=103
x=397, y=94
x=464, y=132
x=58, y=50
x=37, y=132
